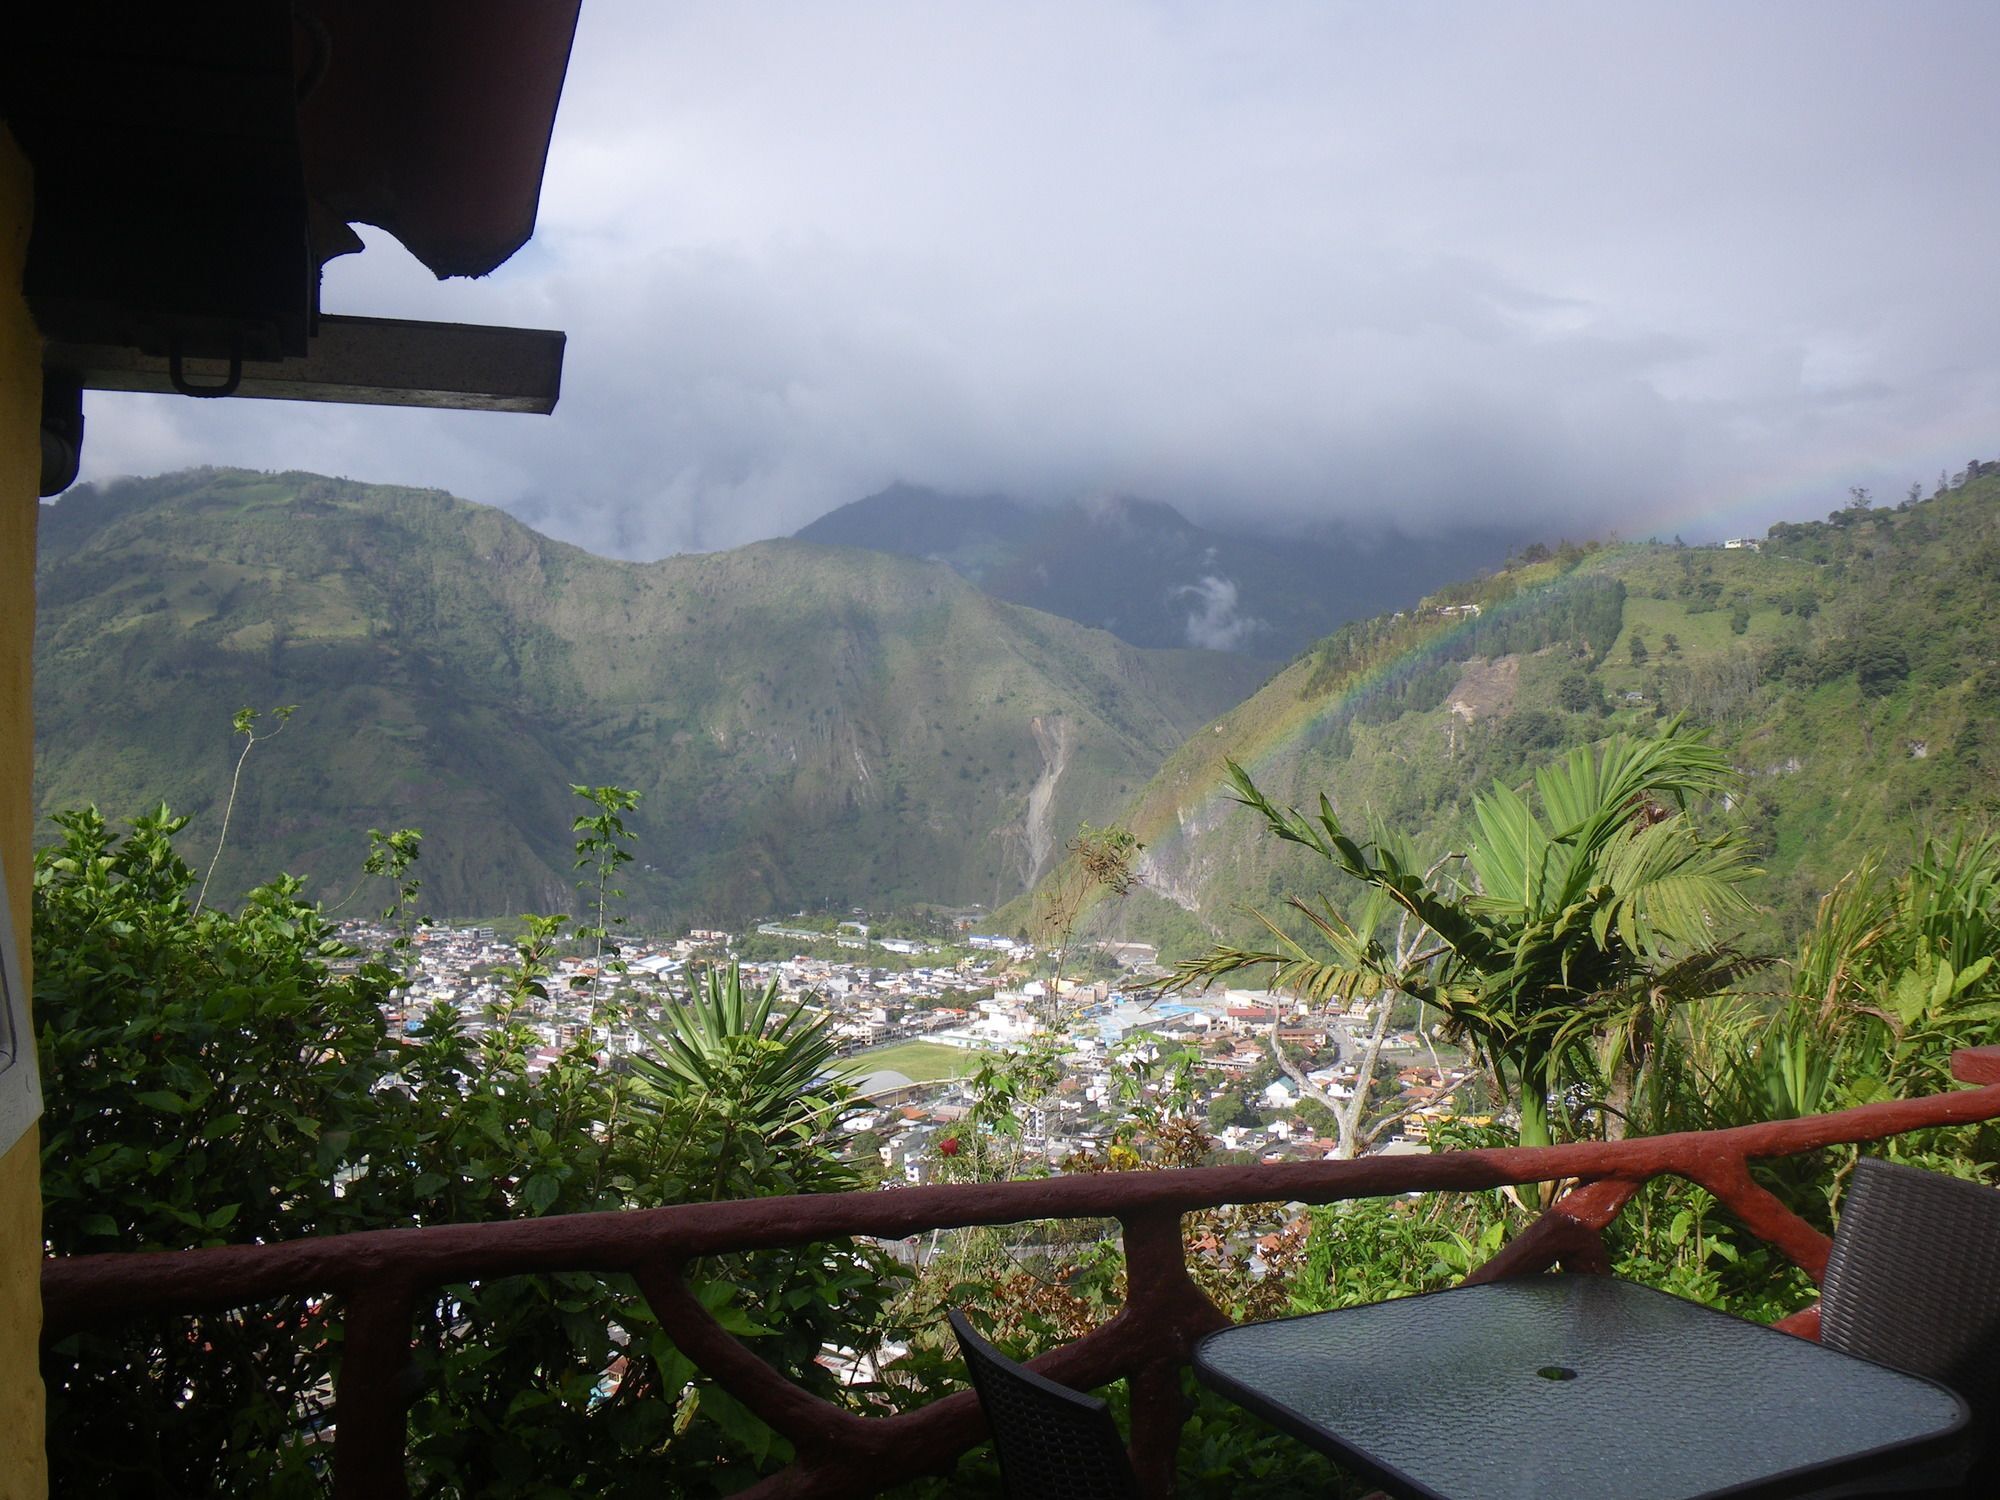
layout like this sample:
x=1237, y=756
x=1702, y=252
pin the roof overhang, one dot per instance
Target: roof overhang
x=196, y=167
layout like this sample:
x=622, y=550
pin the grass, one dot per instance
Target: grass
x=920, y=1062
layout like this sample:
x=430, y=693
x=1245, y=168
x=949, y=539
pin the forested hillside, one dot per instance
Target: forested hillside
x=1147, y=574
x=815, y=724
x=807, y=724
x=1850, y=668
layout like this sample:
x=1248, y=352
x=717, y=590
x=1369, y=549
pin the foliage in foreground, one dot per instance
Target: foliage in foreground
x=228, y=1077
x=216, y=1077
x=1579, y=920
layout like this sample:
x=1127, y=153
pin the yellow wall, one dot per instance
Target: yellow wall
x=22, y=1470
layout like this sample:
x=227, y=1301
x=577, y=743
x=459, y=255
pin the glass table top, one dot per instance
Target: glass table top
x=1580, y=1386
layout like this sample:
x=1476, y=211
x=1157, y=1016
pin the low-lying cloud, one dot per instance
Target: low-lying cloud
x=1216, y=623
x=1582, y=268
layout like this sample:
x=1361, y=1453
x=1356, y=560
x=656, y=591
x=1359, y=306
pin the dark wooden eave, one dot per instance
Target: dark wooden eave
x=432, y=121
x=196, y=166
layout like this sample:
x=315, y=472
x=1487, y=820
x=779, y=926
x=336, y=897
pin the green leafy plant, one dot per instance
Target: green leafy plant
x=215, y=1077
x=207, y=1078
x=1573, y=930
x=602, y=851
x=750, y=1082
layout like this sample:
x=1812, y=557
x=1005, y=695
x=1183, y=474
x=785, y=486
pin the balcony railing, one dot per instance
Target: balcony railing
x=380, y=1277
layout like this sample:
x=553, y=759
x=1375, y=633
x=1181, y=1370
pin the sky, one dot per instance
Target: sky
x=1678, y=268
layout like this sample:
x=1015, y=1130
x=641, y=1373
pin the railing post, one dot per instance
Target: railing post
x=371, y=1397
x=1159, y=1411
x=1763, y=1213
x=1171, y=1312
x=1569, y=1233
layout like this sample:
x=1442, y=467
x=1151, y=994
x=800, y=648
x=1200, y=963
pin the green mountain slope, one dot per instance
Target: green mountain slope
x=1851, y=668
x=807, y=723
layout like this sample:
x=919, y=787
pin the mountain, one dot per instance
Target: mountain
x=1851, y=669
x=1144, y=572
x=807, y=723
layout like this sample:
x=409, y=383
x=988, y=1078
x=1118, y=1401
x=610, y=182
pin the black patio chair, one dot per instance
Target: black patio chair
x=1914, y=1282
x=1053, y=1443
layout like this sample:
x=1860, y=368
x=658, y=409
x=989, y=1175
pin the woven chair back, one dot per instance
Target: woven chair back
x=1914, y=1281
x=1053, y=1443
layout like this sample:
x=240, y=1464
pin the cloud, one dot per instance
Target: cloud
x=1214, y=624
x=1585, y=268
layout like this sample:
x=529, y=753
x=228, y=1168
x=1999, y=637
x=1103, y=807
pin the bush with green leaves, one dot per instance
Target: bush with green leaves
x=206, y=1078
x=1583, y=914
x=213, y=1076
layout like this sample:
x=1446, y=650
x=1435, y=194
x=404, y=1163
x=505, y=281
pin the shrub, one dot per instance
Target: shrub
x=213, y=1076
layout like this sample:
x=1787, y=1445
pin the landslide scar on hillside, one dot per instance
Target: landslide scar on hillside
x=1486, y=689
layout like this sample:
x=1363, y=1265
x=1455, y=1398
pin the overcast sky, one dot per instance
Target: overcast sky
x=1672, y=268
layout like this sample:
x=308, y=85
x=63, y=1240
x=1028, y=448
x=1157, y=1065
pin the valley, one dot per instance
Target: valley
x=815, y=725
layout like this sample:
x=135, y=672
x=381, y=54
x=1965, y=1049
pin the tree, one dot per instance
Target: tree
x=1569, y=935
x=1357, y=1120
x=1530, y=729
x=1638, y=651
x=1880, y=665
x=245, y=724
x=1225, y=1109
x=602, y=850
x=1673, y=644
x=205, y=1077
x=1579, y=693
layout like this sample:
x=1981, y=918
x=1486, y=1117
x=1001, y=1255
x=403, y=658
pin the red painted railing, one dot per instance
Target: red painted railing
x=381, y=1276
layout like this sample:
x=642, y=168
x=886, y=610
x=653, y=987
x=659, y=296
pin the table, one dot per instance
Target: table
x=1576, y=1387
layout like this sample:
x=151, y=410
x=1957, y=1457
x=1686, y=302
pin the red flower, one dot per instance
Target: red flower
x=948, y=1146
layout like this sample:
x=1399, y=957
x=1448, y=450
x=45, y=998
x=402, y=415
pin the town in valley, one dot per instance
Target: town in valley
x=918, y=1017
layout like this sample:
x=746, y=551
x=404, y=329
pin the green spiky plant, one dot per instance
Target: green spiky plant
x=1575, y=923
x=757, y=1080
x=1892, y=977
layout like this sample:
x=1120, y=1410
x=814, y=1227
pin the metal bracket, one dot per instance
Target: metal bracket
x=177, y=373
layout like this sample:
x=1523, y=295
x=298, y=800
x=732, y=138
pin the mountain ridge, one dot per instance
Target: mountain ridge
x=807, y=723
x=1142, y=570
x=1849, y=667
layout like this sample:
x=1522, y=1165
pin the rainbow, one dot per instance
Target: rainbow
x=1259, y=731
x=1791, y=491
x=1267, y=726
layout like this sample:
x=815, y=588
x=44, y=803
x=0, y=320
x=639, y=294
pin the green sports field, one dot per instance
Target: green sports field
x=920, y=1062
